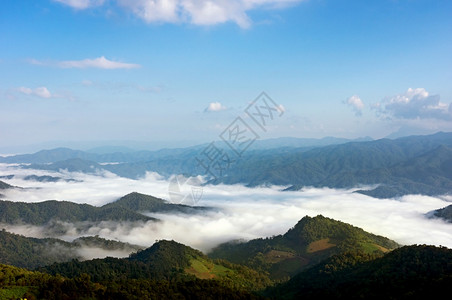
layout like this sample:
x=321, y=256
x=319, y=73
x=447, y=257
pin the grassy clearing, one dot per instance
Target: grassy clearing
x=320, y=245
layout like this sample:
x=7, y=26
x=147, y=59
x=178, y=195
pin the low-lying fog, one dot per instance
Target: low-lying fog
x=244, y=213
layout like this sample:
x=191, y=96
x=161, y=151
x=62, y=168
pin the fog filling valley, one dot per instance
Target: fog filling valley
x=242, y=213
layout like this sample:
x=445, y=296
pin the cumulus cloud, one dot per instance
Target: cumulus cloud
x=41, y=92
x=415, y=104
x=99, y=63
x=215, y=106
x=356, y=104
x=243, y=213
x=198, y=12
x=81, y=4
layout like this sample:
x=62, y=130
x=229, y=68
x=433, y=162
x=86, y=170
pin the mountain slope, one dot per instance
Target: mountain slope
x=410, y=272
x=30, y=253
x=444, y=213
x=127, y=208
x=41, y=213
x=165, y=260
x=4, y=185
x=401, y=166
x=307, y=243
x=144, y=203
x=19, y=283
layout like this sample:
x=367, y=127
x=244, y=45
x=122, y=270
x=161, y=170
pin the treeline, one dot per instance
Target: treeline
x=410, y=272
x=285, y=255
x=18, y=283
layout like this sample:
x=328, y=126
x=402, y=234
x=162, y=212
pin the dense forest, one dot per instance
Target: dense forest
x=410, y=272
x=128, y=208
x=308, y=242
x=319, y=257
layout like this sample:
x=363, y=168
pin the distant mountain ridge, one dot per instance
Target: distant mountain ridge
x=127, y=208
x=123, y=154
x=409, y=165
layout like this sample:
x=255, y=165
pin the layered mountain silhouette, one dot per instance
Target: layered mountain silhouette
x=409, y=165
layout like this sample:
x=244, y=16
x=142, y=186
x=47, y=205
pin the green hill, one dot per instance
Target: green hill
x=310, y=241
x=41, y=213
x=128, y=208
x=410, y=272
x=16, y=283
x=27, y=252
x=165, y=260
x=144, y=203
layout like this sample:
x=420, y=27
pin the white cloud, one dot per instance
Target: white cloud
x=153, y=10
x=215, y=106
x=81, y=4
x=243, y=213
x=214, y=12
x=356, y=103
x=99, y=63
x=199, y=12
x=41, y=92
x=414, y=104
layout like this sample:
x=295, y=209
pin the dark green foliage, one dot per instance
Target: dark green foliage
x=98, y=242
x=127, y=208
x=21, y=283
x=42, y=213
x=27, y=252
x=165, y=260
x=144, y=203
x=341, y=237
x=30, y=253
x=410, y=272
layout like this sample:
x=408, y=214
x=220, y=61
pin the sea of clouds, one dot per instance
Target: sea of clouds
x=243, y=213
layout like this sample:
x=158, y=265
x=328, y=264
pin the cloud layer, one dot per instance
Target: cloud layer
x=81, y=4
x=97, y=63
x=244, y=213
x=41, y=92
x=198, y=12
x=415, y=104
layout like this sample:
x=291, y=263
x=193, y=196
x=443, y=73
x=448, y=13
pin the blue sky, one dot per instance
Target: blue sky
x=176, y=72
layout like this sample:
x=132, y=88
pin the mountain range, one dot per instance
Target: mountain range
x=339, y=261
x=128, y=208
x=392, y=168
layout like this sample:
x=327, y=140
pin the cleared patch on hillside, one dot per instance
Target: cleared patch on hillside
x=204, y=269
x=319, y=245
x=274, y=256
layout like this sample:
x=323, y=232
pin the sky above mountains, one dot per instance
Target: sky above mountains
x=184, y=70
